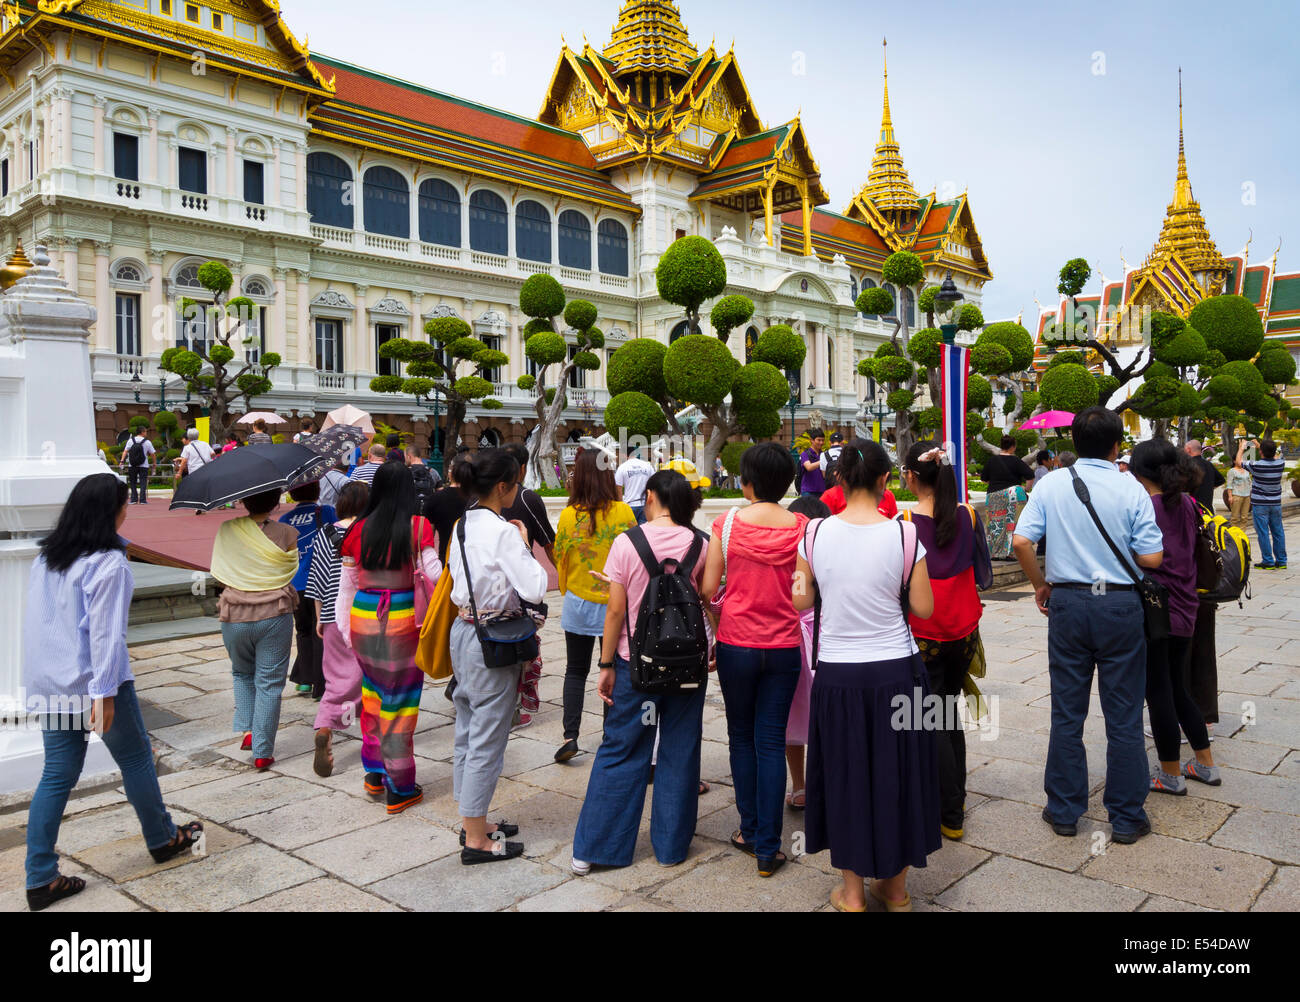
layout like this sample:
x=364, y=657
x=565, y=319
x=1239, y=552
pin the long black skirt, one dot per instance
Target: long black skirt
x=873, y=773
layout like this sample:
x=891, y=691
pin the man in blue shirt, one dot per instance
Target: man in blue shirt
x=308, y=517
x=1095, y=621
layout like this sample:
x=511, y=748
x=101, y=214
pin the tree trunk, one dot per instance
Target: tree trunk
x=724, y=426
x=542, y=454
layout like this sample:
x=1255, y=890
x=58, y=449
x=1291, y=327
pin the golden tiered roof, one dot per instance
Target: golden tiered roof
x=1184, y=266
x=888, y=186
x=1185, y=231
x=650, y=37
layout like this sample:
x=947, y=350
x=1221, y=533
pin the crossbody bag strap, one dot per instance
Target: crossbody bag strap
x=464, y=561
x=726, y=540
x=1081, y=489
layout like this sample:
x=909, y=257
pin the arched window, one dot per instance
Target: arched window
x=751, y=342
x=488, y=223
x=893, y=310
x=532, y=232
x=256, y=288
x=853, y=286
x=330, y=194
x=830, y=362
x=867, y=283
x=575, y=240
x=681, y=330
x=612, y=241
x=909, y=307
x=388, y=203
x=131, y=273
x=439, y=213
x=188, y=278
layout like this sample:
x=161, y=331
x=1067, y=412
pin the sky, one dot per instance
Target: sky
x=1060, y=120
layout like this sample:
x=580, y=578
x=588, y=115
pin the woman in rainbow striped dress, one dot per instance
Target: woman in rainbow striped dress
x=376, y=614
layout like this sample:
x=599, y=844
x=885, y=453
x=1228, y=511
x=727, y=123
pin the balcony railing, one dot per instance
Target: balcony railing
x=125, y=189
x=194, y=203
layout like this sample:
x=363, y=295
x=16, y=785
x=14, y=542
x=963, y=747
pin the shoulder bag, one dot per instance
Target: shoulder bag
x=507, y=641
x=1154, y=595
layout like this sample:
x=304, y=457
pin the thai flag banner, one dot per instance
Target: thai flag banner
x=954, y=367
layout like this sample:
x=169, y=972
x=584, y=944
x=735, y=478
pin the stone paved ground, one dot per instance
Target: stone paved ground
x=289, y=840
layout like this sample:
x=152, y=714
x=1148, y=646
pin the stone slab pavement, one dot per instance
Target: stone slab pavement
x=289, y=840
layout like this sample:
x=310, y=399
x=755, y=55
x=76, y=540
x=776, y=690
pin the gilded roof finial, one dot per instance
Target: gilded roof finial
x=886, y=122
x=1182, y=153
x=15, y=268
x=888, y=186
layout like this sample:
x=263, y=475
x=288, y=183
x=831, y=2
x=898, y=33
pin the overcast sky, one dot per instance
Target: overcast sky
x=1060, y=119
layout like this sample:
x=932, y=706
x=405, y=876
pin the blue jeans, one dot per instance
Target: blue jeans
x=1272, y=540
x=259, y=663
x=758, y=686
x=611, y=812
x=65, y=739
x=1104, y=632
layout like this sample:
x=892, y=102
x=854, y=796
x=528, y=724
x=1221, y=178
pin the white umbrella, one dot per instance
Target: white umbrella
x=266, y=416
x=347, y=414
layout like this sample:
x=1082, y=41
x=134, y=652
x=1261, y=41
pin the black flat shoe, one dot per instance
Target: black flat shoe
x=504, y=830
x=567, y=750
x=1062, y=829
x=374, y=783
x=1128, y=838
x=744, y=847
x=767, y=867
x=500, y=851
x=187, y=835
x=41, y=898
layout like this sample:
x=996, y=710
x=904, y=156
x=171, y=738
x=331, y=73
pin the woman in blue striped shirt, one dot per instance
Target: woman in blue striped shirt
x=77, y=674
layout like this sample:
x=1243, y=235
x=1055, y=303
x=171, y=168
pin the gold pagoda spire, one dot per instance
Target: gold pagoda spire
x=1185, y=232
x=888, y=186
x=650, y=37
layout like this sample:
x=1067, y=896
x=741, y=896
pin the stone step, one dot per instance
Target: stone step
x=166, y=594
x=171, y=629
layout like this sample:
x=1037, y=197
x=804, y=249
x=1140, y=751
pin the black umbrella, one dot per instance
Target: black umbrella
x=243, y=472
x=337, y=442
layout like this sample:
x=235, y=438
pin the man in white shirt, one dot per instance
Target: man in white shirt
x=196, y=454
x=631, y=477
x=832, y=455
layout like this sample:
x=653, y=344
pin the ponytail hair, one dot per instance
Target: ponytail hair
x=862, y=465
x=676, y=495
x=1169, y=468
x=939, y=477
x=477, y=476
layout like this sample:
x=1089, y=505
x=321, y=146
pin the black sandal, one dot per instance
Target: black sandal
x=744, y=847
x=504, y=830
x=40, y=898
x=767, y=867
x=171, y=850
x=499, y=851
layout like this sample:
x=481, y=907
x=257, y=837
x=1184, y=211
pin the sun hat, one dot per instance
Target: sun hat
x=687, y=469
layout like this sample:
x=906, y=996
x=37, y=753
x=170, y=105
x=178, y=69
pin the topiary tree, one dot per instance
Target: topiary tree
x=690, y=273
x=542, y=299
x=701, y=370
x=731, y=455
x=169, y=424
x=1003, y=354
x=210, y=371
x=434, y=366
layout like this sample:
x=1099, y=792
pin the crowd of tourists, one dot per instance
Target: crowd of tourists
x=834, y=625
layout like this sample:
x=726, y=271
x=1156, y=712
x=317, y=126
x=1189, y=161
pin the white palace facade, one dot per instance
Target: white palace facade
x=141, y=138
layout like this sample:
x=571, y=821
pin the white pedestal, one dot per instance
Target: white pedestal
x=22, y=757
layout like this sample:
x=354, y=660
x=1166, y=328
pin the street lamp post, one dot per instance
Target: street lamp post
x=946, y=299
x=879, y=411
x=161, y=402
x=435, y=450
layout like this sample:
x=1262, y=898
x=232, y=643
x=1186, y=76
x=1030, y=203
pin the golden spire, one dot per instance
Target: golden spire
x=15, y=268
x=650, y=37
x=1185, y=232
x=888, y=185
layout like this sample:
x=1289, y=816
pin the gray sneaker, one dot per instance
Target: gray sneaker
x=1162, y=782
x=1207, y=774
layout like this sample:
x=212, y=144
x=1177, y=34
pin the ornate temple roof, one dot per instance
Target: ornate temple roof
x=888, y=187
x=1184, y=231
x=650, y=37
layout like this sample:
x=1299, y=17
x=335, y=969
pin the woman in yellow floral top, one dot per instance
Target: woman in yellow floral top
x=586, y=531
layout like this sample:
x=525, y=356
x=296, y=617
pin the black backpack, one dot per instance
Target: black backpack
x=671, y=648
x=423, y=479
x=135, y=454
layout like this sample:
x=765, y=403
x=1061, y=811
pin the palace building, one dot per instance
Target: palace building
x=140, y=138
x=1184, y=267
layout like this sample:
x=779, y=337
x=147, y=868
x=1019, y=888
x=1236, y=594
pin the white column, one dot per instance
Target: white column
x=105, y=333
x=158, y=327
x=464, y=223
x=65, y=120
x=555, y=235
x=172, y=172
x=232, y=182
x=44, y=357
x=306, y=333
x=273, y=182
x=361, y=347
x=285, y=341
x=300, y=179
x=101, y=133
x=152, y=174
x=415, y=213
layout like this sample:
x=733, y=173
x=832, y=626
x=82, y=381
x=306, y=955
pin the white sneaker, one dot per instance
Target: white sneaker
x=579, y=867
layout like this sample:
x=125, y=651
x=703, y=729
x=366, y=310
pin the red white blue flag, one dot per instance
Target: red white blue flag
x=954, y=363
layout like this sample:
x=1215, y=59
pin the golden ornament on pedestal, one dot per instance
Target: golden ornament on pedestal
x=15, y=268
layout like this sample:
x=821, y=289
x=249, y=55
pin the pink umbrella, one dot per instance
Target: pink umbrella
x=1048, y=419
x=266, y=416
